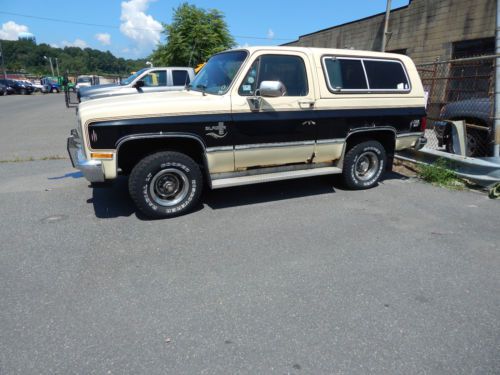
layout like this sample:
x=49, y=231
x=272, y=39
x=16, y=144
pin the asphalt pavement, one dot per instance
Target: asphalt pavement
x=294, y=277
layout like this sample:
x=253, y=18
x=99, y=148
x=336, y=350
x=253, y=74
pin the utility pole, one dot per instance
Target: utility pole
x=386, y=25
x=57, y=66
x=3, y=65
x=50, y=62
x=496, y=118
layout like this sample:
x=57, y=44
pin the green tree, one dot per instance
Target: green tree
x=193, y=36
x=27, y=57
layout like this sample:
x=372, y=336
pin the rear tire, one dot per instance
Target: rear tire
x=165, y=184
x=363, y=165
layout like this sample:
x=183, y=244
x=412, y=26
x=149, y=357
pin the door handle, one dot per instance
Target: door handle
x=306, y=104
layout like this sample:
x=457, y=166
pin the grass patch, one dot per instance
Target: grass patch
x=440, y=174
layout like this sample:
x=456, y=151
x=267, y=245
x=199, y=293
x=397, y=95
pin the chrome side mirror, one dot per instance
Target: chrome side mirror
x=269, y=89
x=272, y=89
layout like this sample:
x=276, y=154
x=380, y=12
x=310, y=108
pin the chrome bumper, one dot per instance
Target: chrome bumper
x=420, y=143
x=91, y=169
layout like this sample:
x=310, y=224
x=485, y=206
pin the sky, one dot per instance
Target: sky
x=132, y=28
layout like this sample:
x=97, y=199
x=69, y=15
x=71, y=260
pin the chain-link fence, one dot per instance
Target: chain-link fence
x=460, y=90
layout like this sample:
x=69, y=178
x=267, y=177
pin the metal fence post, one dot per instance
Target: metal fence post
x=3, y=64
x=496, y=122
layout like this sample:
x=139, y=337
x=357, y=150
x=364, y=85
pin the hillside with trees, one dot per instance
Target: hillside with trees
x=24, y=56
x=193, y=36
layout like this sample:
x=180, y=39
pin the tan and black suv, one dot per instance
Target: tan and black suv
x=255, y=115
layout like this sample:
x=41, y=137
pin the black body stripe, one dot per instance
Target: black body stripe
x=258, y=127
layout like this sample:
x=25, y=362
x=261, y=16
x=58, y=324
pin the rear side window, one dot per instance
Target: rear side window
x=180, y=77
x=386, y=75
x=347, y=74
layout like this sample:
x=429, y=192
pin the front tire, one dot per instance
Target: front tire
x=165, y=184
x=363, y=165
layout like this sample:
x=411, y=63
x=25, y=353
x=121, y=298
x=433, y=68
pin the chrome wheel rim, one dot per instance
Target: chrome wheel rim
x=366, y=166
x=169, y=187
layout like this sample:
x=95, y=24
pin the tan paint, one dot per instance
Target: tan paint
x=109, y=168
x=220, y=161
x=326, y=152
x=266, y=156
x=406, y=142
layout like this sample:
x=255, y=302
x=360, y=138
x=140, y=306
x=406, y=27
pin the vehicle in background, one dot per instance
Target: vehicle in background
x=92, y=80
x=70, y=86
x=145, y=80
x=8, y=90
x=3, y=89
x=85, y=81
x=52, y=83
x=478, y=121
x=18, y=87
x=38, y=87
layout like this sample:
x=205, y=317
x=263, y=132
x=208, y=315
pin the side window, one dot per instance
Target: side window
x=249, y=84
x=388, y=75
x=180, y=77
x=289, y=70
x=346, y=74
x=155, y=78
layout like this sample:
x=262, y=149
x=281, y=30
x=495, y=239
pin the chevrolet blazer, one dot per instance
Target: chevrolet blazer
x=254, y=115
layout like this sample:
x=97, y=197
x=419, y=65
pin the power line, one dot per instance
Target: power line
x=117, y=27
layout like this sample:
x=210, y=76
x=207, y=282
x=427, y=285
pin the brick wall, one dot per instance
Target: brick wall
x=425, y=28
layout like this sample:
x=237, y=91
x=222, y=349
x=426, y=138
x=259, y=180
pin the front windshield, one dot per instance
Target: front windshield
x=83, y=79
x=128, y=80
x=217, y=75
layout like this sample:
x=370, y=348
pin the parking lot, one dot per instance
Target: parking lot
x=295, y=277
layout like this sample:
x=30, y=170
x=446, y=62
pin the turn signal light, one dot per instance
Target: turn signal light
x=101, y=155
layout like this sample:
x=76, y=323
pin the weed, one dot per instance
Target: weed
x=440, y=174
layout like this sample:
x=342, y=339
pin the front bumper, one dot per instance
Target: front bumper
x=92, y=169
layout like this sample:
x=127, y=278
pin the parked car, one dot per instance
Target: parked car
x=255, y=115
x=145, y=80
x=92, y=80
x=3, y=89
x=8, y=89
x=52, y=84
x=477, y=116
x=38, y=87
x=18, y=87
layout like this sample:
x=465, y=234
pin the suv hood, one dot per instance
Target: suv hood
x=92, y=90
x=173, y=103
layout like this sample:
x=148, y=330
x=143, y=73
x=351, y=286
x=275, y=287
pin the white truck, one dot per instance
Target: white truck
x=144, y=81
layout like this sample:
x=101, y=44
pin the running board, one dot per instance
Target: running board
x=270, y=177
